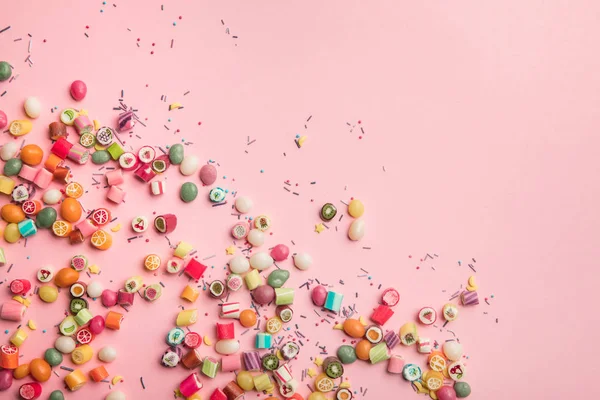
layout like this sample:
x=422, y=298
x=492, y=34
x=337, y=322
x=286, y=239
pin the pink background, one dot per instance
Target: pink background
x=481, y=138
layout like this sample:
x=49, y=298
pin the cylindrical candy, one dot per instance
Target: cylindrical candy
x=263, y=340
x=9, y=356
x=450, y=312
x=411, y=372
x=190, y=385
x=145, y=173
x=253, y=279
x=57, y=130
x=230, y=310
x=12, y=311
x=240, y=230
x=43, y=178
x=379, y=353
x=190, y=293
x=83, y=316
x=79, y=154
x=262, y=382
x=175, y=337
x=283, y=374
x=171, y=357
x=52, y=162
x=227, y=346
x=192, y=359
x=82, y=354
x=61, y=148
x=252, y=360
x=395, y=364
x=231, y=363
x=225, y=331
x=99, y=373
x=27, y=173
x=469, y=298
x=183, y=249
x=195, y=269
x=30, y=391
x=113, y=320
x=126, y=121
x=18, y=337
x=187, y=317
x=75, y=380
x=233, y=391
x=115, y=177
x=105, y=136
x=83, y=124
x=284, y=296
x=210, y=367
x=218, y=395
x=165, y=223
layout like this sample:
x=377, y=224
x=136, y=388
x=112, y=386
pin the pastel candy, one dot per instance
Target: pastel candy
x=256, y=237
x=208, y=174
x=115, y=177
x=239, y=265
x=243, y=204
x=9, y=150
x=318, y=295
x=280, y=252
x=278, y=278
x=227, y=346
x=261, y=261
x=446, y=393
x=43, y=178
x=395, y=364
x=189, y=165
x=462, y=389
x=231, y=363
x=263, y=294
x=263, y=340
x=284, y=296
x=356, y=230
x=452, y=350
x=333, y=301
x=176, y=154
x=116, y=194
x=303, y=261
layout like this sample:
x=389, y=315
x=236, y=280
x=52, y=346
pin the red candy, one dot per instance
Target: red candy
x=390, y=297
x=61, y=148
x=78, y=90
x=225, y=331
x=3, y=120
x=192, y=340
x=218, y=395
x=30, y=391
x=97, y=324
x=280, y=252
x=195, y=269
x=381, y=315
x=20, y=286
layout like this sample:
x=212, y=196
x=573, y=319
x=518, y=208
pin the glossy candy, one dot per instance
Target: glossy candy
x=346, y=354
x=446, y=393
x=227, y=346
x=9, y=150
x=278, y=277
x=52, y=196
x=318, y=295
x=48, y=294
x=356, y=208
x=78, y=90
x=107, y=354
x=245, y=381
x=303, y=261
x=333, y=301
x=280, y=252
x=356, y=230
x=32, y=107
x=261, y=261
x=256, y=237
x=362, y=349
x=116, y=395
x=243, y=204
x=65, y=344
x=239, y=265
x=39, y=369
x=6, y=379
x=56, y=395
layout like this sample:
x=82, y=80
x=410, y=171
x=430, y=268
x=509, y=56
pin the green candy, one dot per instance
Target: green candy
x=56, y=395
x=346, y=354
x=13, y=167
x=5, y=71
x=176, y=154
x=462, y=389
x=188, y=192
x=46, y=217
x=53, y=357
x=278, y=277
x=100, y=157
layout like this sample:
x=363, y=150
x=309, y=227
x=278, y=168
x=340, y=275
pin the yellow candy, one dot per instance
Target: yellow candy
x=187, y=317
x=175, y=106
x=311, y=372
x=75, y=380
x=25, y=301
x=317, y=396
x=183, y=249
x=98, y=146
x=207, y=341
x=48, y=294
x=116, y=228
x=82, y=354
x=18, y=337
x=96, y=124
x=6, y=184
x=301, y=141
x=116, y=379
x=195, y=396
x=433, y=395
x=363, y=321
x=339, y=327
x=31, y=324
x=356, y=208
x=20, y=127
x=262, y=382
x=94, y=269
x=279, y=355
x=83, y=112
x=245, y=381
x=318, y=361
x=472, y=281
x=345, y=385
x=190, y=294
x=11, y=233
x=472, y=288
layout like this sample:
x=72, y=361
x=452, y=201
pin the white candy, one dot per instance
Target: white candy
x=52, y=196
x=243, y=204
x=227, y=346
x=256, y=238
x=107, y=354
x=239, y=265
x=9, y=150
x=453, y=350
x=189, y=165
x=94, y=289
x=303, y=261
x=33, y=107
x=116, y=395
x=65, y=344
x=356, y=230
x=261, y=261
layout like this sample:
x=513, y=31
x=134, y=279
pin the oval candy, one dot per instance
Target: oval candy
x=208, y=174
x=176, y=154
x=318, y=295
x=189, y=165
x=356, y=230
x=261, y=261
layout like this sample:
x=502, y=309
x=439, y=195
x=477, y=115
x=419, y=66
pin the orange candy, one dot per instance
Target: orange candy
x=362, y=349
x=21, y=371
x=52, y=162
x=248, y=318
x=32, y=154
x=66, y=277
x=101, y=240
x=354, y=328
x=12, y=213
x=70, y=210
x=40, y=370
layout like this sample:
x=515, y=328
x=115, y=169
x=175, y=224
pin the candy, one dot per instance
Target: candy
x=278, y=278
x=116, y=194
x=356, y=230
x=263, y=294
x=139, y=224
x=70, y=210
x=333, y=301
x=53, y=357
x=462, y=389
x=231, y=363
x=12, y=213
x=381, y=314
x=26, y=173
x=189, y=165
x=78, y=154
x=9, y=356
x=239, y=265
x=78, y=90
x=12, y=311
x=243, y=204
x=228, y=346
x=263, y=340
x=269, y=362
x=187, y=317
x=192, y=359
x=6, y=379
x=39, y=369
x=115, y=177
x=253, y=279
x=11, y=233
x=5, y=71
x=262, y=223
x=262, y=382
x=240, y=230
x=208, y=174
x=225, y=331
x=65, y=344
x=424, y=345
x=256, y=237
x=171, y=357
x=107, y=354
x=6, y=185
x=446, y=393
x=20, y=286
x=83, y=125
x=175, y=337
x=391, y=339
x=190, y=294
x=43, y=178
x=176, y=154
x=192, y=340
x=20, y=127
x=216, y=289
x=318, y=295
x=411, y=372
x=248, y=318
x=233, y=391
x=128, y=161
x=450, y=312
x=45, y=274
x=280, y=252
x=216, y=195
x=32, y=107
x=126, y=121
x=188, y=192
x=30, y=391
x=165, y=223
x=77, y=305
x=75, y=380
x=101, y=157
x=395, y=364
x=160, y=164
x=97, y=325
x=3, y=120
x=427, y=316
x=77, y=289
x=115, y=150
x=353, y=328
x=469, y=298
x=245, y=381
x=58, y=395
x=125, y=298
x=408, y=334
x=52, y=162
x=274, y=325
x=356, y=208
x=234, y=282
x=303, y=261
x=116, y=395
x=230, y=310
x=190, y=385
x=52, y=196
x=13, y=167
x=133, y=284
x=152, y=292
x=390, y=297
x=374, y=334
x=158, y=187
x=105, y=136
x=114, y=320
x=456, y=370
x=99, y=373
x=174, y=265
x=19, y=337
x=9, y=150
x=363, y=349
x=109, y=298
x=210, y=367
x=328, y=212
x=284, y=296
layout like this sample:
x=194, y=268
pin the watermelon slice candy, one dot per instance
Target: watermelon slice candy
x=30, y=391
x=79, y=263
x=20, y=286
x=101, y=216
x=84, y=336
x=29, y=207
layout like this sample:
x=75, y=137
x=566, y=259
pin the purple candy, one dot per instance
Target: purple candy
x=252, y=360
x=391, y=339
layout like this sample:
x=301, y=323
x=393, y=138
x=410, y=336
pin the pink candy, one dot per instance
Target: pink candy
x=109, y=298
x=190, y=385
x=43, y=178
x=231, y=363
x=78, y=90
x=280, y=252
x=114, y=177
x=116, y=194
x=446, y=393
x=318, y=295
x=97, y=325
x=12, y=311
x=225, y=331
x=3, y=120
x=395, y=364
x=86, y=227
x=28, y=173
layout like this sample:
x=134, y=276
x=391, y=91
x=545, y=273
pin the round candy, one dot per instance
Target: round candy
x=303, y=261
x=462, y=389
x=65, y=344
x=32, y=154
x=109, y=298
x=176, y=154
x=5, y=71
x=263, y=294
x=256, y=238
x=248, y=318
x=356, y=208
x=70, y=210
x=139, y=224
x=189, y=165
x=46, y=217
x=456, y=370
x=97, y=324
x=318, y=295
x=188, y=192
x=56, y=395
x=353, y=328
x=13, y=167
x=390, y=297
x=3, y=120
x=280, y=252
x=362, y=349
x=9, y=150
x=116, y=395
x=243, y=204
x=346, y=354
x=52, y=196
x=48, y=294
x=53, y=357
x=11, y=233
x=427, y=316
x=208, y=174
x=446, y=393
x=65, y=277
x=328, y=212
x=12, y=213
x=261, y=261
x=107, y=354
x=78, y=90
x=278, y=277
x=452, y=350
x=356, y=230
x=239, y=265
x=6, y=379
x=245, y=380
x=40, y=370
x=33, y=107
x=95, y=289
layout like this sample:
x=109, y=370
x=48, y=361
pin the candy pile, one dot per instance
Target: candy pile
x=268, y=368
